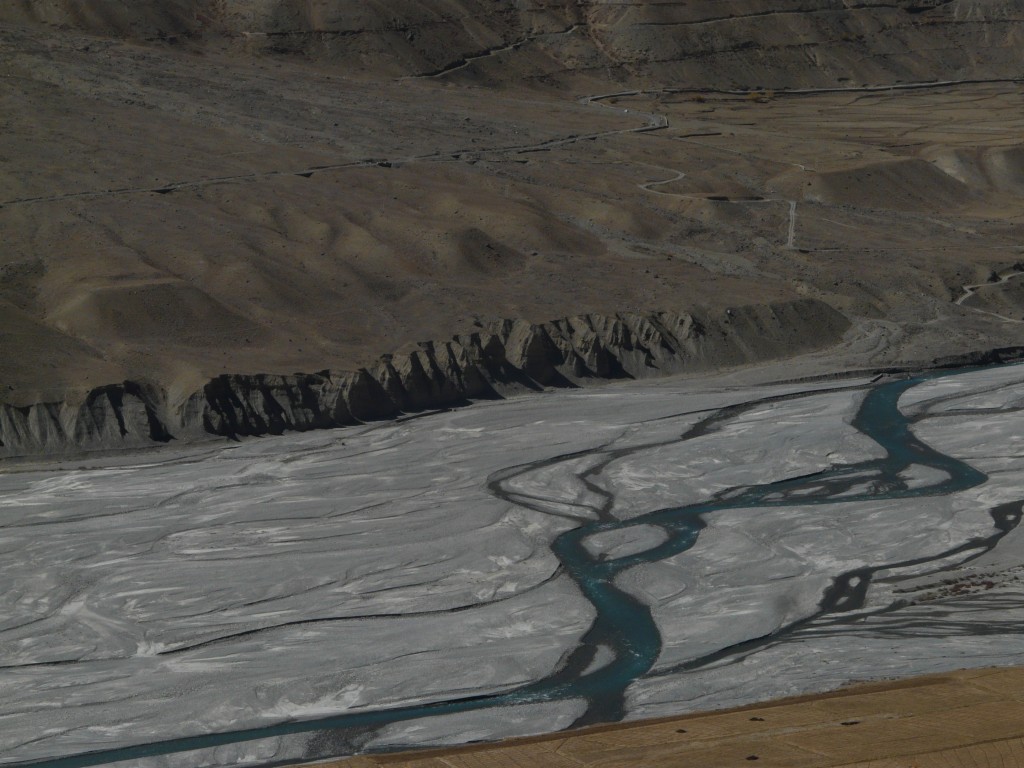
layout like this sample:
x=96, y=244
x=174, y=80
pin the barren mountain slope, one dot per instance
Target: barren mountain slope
x=745, y=43
x=182, y=200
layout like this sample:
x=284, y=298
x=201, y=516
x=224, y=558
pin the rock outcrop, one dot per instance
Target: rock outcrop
x=509, y=357
x=776, y=43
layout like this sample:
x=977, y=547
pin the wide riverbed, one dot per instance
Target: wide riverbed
x=515, y=567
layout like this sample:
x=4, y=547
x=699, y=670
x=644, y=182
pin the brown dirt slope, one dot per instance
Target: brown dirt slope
x=173, y=211
x=721, y=44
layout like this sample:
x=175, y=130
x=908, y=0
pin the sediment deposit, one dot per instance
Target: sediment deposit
x=403, y=584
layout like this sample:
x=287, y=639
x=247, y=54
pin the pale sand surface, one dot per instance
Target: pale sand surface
x=966, y=719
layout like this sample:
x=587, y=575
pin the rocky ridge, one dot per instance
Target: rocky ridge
x=787, y=43
x=507, y=357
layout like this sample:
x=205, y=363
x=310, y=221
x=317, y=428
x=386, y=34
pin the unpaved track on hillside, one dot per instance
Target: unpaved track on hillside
x=654, y=123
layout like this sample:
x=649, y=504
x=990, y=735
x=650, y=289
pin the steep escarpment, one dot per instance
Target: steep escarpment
x=744, y=43
x=801, y=43
x=510, y=357
x=112, y=17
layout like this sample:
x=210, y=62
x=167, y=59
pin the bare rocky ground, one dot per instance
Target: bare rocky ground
x=200, y=188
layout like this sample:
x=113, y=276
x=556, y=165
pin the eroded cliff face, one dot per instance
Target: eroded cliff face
x=177, y=211
x=510, y=357
x=711, y=43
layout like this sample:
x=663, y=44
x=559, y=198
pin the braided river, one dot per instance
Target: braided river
x=516, y=567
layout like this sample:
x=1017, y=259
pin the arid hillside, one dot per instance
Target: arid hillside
x=198, y=188
x=731, y=43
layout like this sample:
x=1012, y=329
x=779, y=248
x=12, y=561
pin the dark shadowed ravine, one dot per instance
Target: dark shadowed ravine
x=624, y=626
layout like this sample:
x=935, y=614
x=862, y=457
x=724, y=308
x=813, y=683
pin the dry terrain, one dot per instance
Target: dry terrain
x=197, y=188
